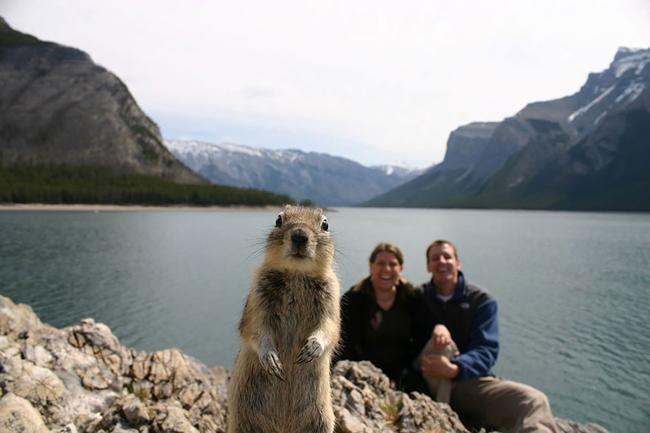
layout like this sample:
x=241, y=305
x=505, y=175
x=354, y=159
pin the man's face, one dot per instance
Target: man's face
x=443, y=264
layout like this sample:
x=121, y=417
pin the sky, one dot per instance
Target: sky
x=376, y=81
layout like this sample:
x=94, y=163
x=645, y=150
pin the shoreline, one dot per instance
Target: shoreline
x=98, y=208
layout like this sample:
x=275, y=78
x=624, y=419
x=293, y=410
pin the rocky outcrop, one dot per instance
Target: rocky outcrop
x=80, y=379
x=466, y=145
x=364, y=402
x=59, y=107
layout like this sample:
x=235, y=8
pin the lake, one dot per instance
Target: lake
x=573, y=288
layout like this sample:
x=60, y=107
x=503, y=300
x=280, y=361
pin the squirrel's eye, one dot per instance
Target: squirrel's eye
x=324, y=225
x=278, y=221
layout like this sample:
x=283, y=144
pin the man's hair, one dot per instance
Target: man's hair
x=389, y=248
x=441, y=242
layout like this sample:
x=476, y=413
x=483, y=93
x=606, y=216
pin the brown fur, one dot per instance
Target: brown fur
x=289, y=329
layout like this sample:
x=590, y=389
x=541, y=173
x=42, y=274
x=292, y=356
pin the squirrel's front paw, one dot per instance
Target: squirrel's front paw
x=271, y=363
x=311, y=350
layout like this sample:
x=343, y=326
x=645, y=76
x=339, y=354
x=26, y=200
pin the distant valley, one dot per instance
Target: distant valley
x=586, y=151
x=321, y=178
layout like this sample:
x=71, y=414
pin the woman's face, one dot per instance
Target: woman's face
x=385, y=271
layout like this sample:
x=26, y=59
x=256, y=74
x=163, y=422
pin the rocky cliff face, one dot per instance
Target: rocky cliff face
x=59, y=107
x=591, y=149
x=325, y=179
x=80, y=379
x=444, y=182
x=583, y=151
x=466, y=144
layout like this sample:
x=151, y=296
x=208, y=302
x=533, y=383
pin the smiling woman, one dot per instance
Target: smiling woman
x=379, y=317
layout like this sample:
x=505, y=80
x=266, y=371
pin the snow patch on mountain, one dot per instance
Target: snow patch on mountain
x=397, y=169
x=631, y=92
x=600, y=117
x=637, y=61
x=580, y=111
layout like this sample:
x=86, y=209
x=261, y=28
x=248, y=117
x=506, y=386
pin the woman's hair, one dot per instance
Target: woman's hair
x=403, y=286
x=389, y=248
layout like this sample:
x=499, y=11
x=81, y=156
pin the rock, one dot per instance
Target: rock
x=190, y=394
x=172, y=419
x=170, y=366
x=36, y=384
x=82, y=380
x=567, y=426
x=419, y=414
x=18, y=415
x=96, y=339
x=141, y=366
x=135, y=411
x=365, y=402
x=16, y=320
x=38, y=355
x=70, y=428
x=120, y=428
x=349, y=423
x=9, y=348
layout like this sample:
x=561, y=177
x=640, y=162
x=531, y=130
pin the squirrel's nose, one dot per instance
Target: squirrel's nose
x=299, y=238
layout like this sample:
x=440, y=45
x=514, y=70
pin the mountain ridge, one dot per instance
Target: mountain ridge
x=71, y=131
x=319, y=177
x=576, y=138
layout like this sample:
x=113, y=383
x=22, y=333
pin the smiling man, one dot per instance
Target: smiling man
x=463, y=314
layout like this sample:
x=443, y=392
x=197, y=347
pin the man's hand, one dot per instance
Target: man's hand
x=441, y=337
x=438, y=367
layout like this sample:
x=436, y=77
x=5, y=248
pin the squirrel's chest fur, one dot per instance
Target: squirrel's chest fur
x=294, y=305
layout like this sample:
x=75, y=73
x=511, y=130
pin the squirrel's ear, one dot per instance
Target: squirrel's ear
x=324, y=225
x=278, y=221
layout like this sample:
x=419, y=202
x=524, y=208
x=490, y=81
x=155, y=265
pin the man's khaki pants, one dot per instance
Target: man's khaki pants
x=492, y=402
x=502, y=404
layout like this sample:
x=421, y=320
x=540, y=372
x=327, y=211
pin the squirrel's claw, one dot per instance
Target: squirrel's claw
x=271, y=363
x=311, y=350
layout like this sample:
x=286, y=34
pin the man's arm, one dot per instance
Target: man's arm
x=481, y=354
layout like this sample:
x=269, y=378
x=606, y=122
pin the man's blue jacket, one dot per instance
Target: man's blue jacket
x=471, y=317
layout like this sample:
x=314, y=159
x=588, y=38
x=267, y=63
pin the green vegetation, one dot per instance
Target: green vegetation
x=14, y=38
x=391, y=406
x=61, y=184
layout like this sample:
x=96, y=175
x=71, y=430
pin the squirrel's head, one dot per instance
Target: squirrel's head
x=300, y=241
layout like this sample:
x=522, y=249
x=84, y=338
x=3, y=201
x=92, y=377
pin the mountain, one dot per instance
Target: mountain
x=585, y=151
x=70, y=131
x=324, y=179
x=446, y=180
x=60, y=107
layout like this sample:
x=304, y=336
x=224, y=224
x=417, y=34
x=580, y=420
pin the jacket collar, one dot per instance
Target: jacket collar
x=431, y=291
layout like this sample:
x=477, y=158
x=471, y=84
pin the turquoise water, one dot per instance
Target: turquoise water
x=573, y=288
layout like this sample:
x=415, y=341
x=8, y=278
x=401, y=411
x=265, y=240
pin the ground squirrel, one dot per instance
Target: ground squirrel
x=289, y=329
